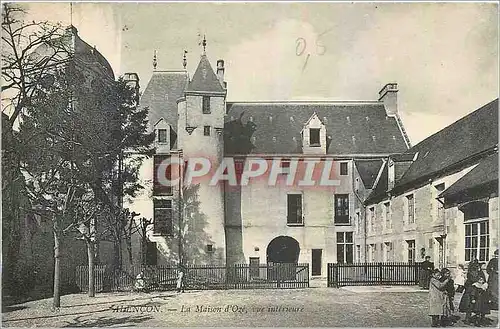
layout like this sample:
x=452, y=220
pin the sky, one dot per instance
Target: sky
x=444, y=56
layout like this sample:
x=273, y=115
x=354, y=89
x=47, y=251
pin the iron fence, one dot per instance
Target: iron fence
x=361, y=274
x=198, y=277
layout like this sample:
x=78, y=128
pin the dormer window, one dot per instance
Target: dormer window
x=314, y=139
x=206, y=105
x=162, y=136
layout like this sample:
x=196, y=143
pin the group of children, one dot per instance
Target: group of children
x=475, y=301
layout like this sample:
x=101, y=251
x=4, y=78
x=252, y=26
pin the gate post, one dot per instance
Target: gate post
x=380, y=273
x=336, y=275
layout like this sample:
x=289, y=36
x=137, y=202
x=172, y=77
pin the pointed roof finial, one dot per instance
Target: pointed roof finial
x=155, y=62
x=204, y=44
x=184, y=59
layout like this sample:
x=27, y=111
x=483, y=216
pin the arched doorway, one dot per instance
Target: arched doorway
x=282, y=257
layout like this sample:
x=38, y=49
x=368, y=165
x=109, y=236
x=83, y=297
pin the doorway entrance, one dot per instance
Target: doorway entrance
x=282, y=258
x=283, y=249
x=316, y=261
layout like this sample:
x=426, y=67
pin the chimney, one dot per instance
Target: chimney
x=389, y=95
x=220, y=72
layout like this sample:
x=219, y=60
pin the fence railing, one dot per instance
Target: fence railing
x=361, y=274
x=198, y=277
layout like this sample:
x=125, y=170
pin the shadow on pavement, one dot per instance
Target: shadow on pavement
x=53, y=315
x=10, y=308
x=121, y=300
x=105, y=321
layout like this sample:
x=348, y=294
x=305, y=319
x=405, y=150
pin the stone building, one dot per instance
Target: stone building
x=439, y=198
x=261, y=222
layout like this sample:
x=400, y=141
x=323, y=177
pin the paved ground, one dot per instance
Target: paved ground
x=316, y=307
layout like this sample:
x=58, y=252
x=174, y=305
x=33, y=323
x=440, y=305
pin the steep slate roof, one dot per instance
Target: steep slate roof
x=468, y=136
x=356, y=128
x=368, y=170
x=161, y=94
x=485, y=172
x=204, y=78
x=379, y=190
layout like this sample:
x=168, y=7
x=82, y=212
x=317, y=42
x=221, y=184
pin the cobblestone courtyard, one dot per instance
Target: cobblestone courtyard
x=316, y=307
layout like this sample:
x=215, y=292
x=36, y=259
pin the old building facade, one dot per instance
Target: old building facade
x=284, y=214
x=440, y=198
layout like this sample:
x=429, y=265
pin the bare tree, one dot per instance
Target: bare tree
x=23, y=68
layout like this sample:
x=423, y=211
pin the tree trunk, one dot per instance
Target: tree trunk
x=57, y=268
x=90, y=253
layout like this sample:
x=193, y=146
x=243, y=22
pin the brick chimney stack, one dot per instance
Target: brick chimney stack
x=389, y=95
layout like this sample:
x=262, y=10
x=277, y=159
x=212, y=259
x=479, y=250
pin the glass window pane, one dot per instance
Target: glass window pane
x=349, y=237
x=474, y=229
x=482, y=241
x=467, y=255
x=468, y=229
x=482, y=227
x=340, y=253
x=467, y=242
x=482, y=254
x=340, y=237
x=349, y=253
x=474, y=242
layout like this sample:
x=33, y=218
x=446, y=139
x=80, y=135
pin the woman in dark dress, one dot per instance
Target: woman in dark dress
x=479, y=301
x=474, y=272
x=492, y=270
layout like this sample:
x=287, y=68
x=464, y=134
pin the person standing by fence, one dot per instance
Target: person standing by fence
x=180, y=278
x=426, y=268
x=492, y=270
x=438, y=300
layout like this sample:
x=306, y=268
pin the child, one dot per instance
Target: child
x=460, y=278
x=449, y=290
x=180, y=279
x=438, y=300
x=140, y=284
x=480, y=300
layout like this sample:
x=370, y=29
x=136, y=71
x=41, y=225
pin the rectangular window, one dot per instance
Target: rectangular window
x=342, y=209
x=314, y=137
x=388, y=251
x=162, y=217
x=343, y=169
x=206, y=105
x=345, y=247
x=206, y=131
x=372, y=219
x=162, y=135
x=254, y=267
x=159, y=186
x=477, y=241
x=285, y=166
x=294, y=209
x=372, y=250
x=358, y=223
x=411, y=208
x=411, y=251
x=387, y=215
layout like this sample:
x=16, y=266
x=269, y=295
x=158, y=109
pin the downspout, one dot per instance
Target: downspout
x=445, y=240
x=362, y=206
